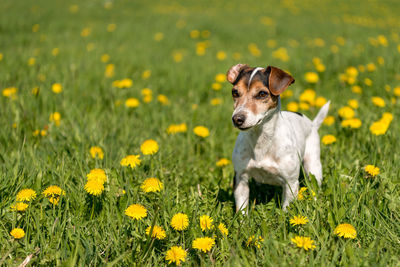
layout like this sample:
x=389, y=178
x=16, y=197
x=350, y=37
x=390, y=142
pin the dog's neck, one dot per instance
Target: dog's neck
x=266, y=129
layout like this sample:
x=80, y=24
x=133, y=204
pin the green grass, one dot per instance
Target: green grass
x=67, y=234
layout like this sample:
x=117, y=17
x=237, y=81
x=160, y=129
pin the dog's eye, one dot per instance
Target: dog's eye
x=262, y=94
x=235, y=93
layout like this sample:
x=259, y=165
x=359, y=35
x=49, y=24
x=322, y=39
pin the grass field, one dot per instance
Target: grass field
x=72, y=76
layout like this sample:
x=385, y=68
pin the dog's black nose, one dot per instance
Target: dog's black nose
x=238, y=119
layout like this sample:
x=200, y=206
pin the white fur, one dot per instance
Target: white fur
x=273, y=150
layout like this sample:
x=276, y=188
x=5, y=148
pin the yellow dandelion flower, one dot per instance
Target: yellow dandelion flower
x=26, y=195
x=136, y=211
x=149, y=147
x=175, y=255
x=287, y=93
x=254, y=241
x=54, y=200
x=105, y=58
x=52, y=191
x=17, y=233
x=86, y=32
x=131, y=160
x=177, y=128
x=146, y=74
x=220, y=78
x=329, y=120
x=223, y=162
x=157, y=232
x=222, y=228
x=396, y=91
x=346, y=230
x=216, y=86
x=353, y=123
x=368, y=81
x=346, y=112
x=328, y=139
x=304, y=106
x=132, y=102
x=216, y=101
x=109, y=72
x=353, y=103
x=152, y=185
x=378, y=101
x=281, y=53
x=10, y=92
x=308, y=96
x=94, y=187
x=98, y=175
x=194, y=34
x=320, y=101
x=356, y=89
x=387, y=117
x=19, y=206
x=163, y=99
x=371, y=67
x=111, y=27
x=96, y=151
x=55, y=117
x=206, y=222
x=372, y=170
x=204, y=244
x=379, y=128
x=201, y=131
x=177, y=56
x=221, y=55
x=298, y=220
x=292, y=106
x=311, y=77
x=180, y=221
x=304, y=242
x=31, y=61
x=352, y=71
x=300, y=195
x=56, y=88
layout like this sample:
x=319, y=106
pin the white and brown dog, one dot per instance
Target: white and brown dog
x=273, y=144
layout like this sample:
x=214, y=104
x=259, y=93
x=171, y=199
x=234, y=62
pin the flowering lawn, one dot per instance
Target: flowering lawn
x=116, y=137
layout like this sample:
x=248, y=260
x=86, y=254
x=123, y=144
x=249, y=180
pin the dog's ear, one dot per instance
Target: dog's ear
x=278, y=80
x=234, y=71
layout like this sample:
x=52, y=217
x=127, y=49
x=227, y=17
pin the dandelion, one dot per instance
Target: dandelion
x=31, y=61
x=98, y=175
x=368, y=81
x=356, y=89
x=152, y=185
x=94, y=187
x=204, y=244
x=372, y=170
x=109, y=72
x=205, y=222
x=223, y=162
x=221, y=55
x=26, y=195
x=146, y=74
x=53, y=191
x=105, y=58
x=222, y=228
x=304, y=242
x=111, y=27
x=353, y=103
x=378, y=101
x=328, y=139
x=131, y=160
x=132, y=102
x=56, y=118
x=157, y=232
x=396, y=91
x=292, y=106
x=216, y=101
x=19, y=206
x=371, y=67
x=254, y=241
x=287, y=93
x=379, y=128
x=298, y=220
x=320, y=101
x=96, y=151
x=346, y=230
x=163, y=99
x=281, y=54
x=177, y=128
x=201, y=131
x=220, y=78
x=304, y=106
x=177, y=56
x=346, y=112
x=180, y=221
x=329, y=120
x=175, y=254
x=353, y=123
x=149, y=147
x=311, y=77
x=56, y=88
x=17, y=233
x=10, y=92
x=136, y=211
x=308, y=96
x=216, y=86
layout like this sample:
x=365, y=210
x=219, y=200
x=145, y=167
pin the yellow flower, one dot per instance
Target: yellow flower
x=180, y=221
x=149, y=147
x=56, y=88
x=329, y=120
x=163, y=99
x=255, y=241
x=221, y=55
x=96, y=151
x=292, y=106
x=26, y=195
x=54, y=200
x=105, y=58
x=94, y=187
x=371, y=67
x=10, y=92
x=146, y=74
x=31, y=61
x=372, y=170
x=19, y=206
x=304, y=106
x=352, y=71
x=205, y=222
x=287, y=93
x=136, y=211
x=281, y=54
x=346, y=230
x=55, y=117
x=220, y=78
x=132, y=102
x=111, y=27
x=53, y=191
x=320, y=101
x=157, y=232
x=353, y=103
x=387, y=117
x=378, y=101
x=223, y=162
x=86, y=32
x=1, y=56
x=304, y=242
x=177, y=56
x=346, y=112
x=298, y=220
x=177, y=128
x=356, y=89
x=194, y=34
x=98, y=175
x=222, y=228
x=109, y=72
x=379, y=127
x=175, y=254
x=353, y=123
x=368, y=81
x=328, y=139
x=254, y=50
x=17, y=233
x=396, y=91
x=201, y=131
x=131, y=160
x=216, y=86
x=152, y=185
x=311, y=77
x=308, y=96
x=203, y=243
x=216, y=101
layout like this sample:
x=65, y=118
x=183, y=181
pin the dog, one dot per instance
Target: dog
x=272, y=144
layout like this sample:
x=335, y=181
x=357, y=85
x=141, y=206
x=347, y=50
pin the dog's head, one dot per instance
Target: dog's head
x=255, y=93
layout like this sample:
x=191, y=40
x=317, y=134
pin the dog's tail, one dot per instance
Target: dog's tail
x=321, y=115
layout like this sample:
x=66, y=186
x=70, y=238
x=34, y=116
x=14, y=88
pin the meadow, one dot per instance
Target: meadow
x=99, y=96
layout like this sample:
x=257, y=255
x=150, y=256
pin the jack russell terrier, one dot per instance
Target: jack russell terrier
x=272, y=144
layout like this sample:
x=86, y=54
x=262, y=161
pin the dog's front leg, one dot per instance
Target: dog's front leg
x=289, y=193
x=241, y=191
